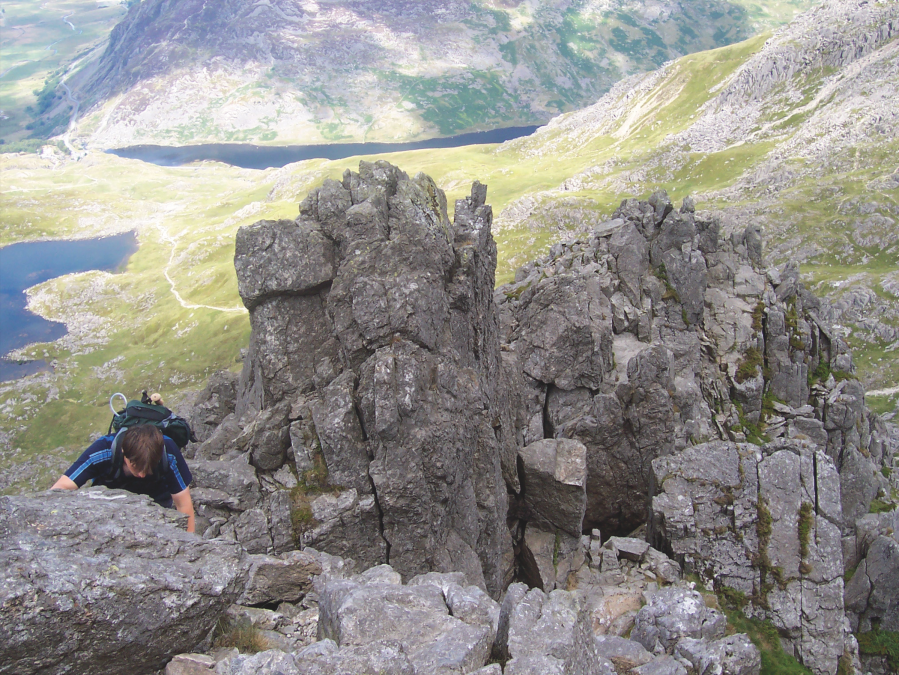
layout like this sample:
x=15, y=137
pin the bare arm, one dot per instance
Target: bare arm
x=185, y=505
x=64, y=483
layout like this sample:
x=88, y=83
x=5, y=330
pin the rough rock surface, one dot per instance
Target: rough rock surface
x=284, y=579
x=547, y=633
x=389, y=412
x=374, y=336
x=872, y=594
x=441, y=626
x=656, y=333
x=553, y=479
x=672, y=614
x=93, y=579
x=764, y=522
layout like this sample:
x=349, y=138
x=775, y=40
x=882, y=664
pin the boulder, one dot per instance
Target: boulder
x=546, y=558
x=190, y=664
x=731, y=655
x=622, y=652
x=672, y=614
x=286, y=578
x=96, y=578
x=663, y=665
x=553, y=479
x=372, y=608
x=548, y=634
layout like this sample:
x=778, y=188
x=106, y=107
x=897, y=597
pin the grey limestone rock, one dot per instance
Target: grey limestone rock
x=286, y=578
x=236, y=480
x=547, y=557
x=378, y=312
x=190, y=664
x=672, y=614
x=553, y=479
x=549, y=633
x=626, y=653
x=739, y=515
x=278, y=508
x=872, y=595
x=731, y=655
x=218, y=442
x=627, y=547
x=96, y=578
x=347, y=525
x=213, y=404
x=282, y=257
x=566, y=333
x=270, y=662
x=365, y=610
x=340, y=435
x=663, y=665
x=251, y=529
x=704, y=341
x=267, y=437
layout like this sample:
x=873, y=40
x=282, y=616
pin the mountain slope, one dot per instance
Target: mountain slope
x=798, y=134
x=179, y=71
x=831, y=205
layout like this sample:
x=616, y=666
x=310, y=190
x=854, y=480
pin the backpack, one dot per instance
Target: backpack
x=144, y=412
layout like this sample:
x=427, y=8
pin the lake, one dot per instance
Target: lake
x=25, y=265
x=268, y=156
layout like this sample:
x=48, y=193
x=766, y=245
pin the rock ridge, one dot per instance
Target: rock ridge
x=397, y=409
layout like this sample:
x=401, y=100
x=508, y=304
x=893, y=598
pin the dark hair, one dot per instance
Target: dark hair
x=143, y=446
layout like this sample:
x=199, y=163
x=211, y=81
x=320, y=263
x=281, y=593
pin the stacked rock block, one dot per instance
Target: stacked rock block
x=375, y=340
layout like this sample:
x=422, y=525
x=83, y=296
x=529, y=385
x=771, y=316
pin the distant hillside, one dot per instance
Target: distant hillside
x=39, y=43
x=282, y=71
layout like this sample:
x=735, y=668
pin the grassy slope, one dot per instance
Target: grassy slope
x=37, y=44
x=167, y=347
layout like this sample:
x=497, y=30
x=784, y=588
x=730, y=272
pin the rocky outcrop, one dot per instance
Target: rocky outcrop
x=393, y=408
x=656, y=333
x=375, y=352
x=872, y=592
x=705, y=344
x=95, y=579
x=440, y=625
x=547, y=634
x=765, y=523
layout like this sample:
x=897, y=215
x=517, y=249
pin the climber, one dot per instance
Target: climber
x=138, y=459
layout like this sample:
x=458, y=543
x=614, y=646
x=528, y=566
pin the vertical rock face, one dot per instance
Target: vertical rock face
x=657, y=333
x=605, y=337
x=764, y=522
x=375, y=313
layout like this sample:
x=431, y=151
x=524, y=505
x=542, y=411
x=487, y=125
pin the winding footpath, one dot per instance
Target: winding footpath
x=187, y=305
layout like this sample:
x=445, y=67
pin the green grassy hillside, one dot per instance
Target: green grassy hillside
x=39, y=41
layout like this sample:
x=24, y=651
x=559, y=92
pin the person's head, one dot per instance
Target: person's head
x=142, y=448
